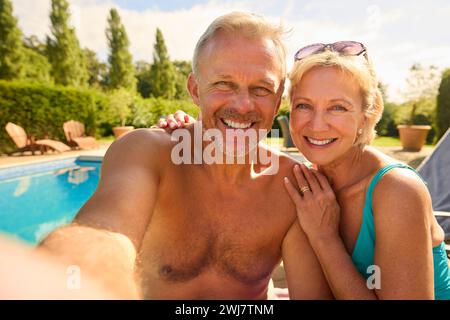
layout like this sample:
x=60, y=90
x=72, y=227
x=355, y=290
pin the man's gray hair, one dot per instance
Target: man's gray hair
x=245, y=24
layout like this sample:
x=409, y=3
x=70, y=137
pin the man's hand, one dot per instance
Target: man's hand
x=27, y=273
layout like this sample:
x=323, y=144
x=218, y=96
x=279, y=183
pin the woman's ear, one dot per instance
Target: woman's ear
x=192, y=87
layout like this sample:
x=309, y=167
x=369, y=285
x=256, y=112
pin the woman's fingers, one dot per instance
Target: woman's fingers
x=301, y=181
x=162, y=123
x=180, y=117
x=292, y=191
x=323, y=181
x=310, y=179
x=171, y=121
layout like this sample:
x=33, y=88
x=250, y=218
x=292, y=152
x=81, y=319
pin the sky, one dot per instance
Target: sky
x=397, y=33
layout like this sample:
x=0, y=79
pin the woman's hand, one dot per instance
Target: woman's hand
x=174, y=121
x=317, y=209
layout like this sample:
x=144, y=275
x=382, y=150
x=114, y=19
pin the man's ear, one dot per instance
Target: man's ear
x=192, y=87
x=280, y=92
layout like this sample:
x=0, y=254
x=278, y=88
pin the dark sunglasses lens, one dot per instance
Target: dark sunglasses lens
x=308, y=50
x=348, y=47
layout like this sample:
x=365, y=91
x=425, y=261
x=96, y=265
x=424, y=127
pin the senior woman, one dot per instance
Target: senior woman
x=368, y=217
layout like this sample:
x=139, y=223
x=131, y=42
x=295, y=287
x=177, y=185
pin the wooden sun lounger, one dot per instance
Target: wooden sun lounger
x=76, y=137
x=24, y=142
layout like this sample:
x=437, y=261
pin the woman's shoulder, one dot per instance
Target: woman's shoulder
x=400, y=195
x=399, y=189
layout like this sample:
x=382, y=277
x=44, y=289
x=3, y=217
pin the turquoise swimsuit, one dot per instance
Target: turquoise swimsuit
x=363, y=253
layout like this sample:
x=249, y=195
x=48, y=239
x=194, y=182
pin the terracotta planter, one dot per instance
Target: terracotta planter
x=120, y=131
x=413, y=136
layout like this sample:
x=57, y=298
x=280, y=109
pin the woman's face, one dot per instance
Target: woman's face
x=326, y=114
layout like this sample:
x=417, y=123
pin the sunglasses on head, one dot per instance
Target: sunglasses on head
x=348, y=48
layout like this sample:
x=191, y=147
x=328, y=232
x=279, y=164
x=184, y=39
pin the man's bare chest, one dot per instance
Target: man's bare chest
x=194, y=231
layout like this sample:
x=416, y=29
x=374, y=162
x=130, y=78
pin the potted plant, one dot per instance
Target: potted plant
x=120, y=101
x=413, y=136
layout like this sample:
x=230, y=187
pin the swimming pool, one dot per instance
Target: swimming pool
x=37, y=198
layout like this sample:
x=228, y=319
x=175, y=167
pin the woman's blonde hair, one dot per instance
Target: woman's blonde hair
x=244, y=24
x=362, y=70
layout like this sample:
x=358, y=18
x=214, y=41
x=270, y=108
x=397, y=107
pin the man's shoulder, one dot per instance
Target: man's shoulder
x=144, y=138
x=145, y=145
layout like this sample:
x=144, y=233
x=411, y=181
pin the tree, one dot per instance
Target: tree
x=121, y=69
x=162, y=71
x=383, y=87
x=422, y=86
x=422, y=83
x=63, y=49
x=182, y=70
x=33, y=42
x=11, y=48
x=143, y=76
x=443, y=105
x=97, y=70
x=37, y=66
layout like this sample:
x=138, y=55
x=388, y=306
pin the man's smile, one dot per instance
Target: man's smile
x=233, y=124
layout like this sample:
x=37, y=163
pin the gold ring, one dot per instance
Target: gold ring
x=304, y=189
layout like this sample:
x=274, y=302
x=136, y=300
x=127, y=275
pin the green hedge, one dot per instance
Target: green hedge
x=146, y=112
x=443, y=105
x=42, y=109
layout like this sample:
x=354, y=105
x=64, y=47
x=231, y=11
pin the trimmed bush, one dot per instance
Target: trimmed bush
x=443, y=105
x=387, y=126
x=42, y=109
x=146, y=112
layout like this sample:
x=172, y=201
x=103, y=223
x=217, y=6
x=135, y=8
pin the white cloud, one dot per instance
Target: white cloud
x=397, y=34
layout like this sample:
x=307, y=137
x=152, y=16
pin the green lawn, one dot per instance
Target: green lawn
x=389, y=142
x=106, y=139
x=386, y=142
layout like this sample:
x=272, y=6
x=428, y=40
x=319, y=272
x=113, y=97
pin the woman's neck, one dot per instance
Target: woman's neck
x=346, y=170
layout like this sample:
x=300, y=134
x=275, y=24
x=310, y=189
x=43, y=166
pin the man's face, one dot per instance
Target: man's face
x=239, y=83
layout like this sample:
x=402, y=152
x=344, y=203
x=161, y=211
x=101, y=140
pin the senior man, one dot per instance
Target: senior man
x=164, y=230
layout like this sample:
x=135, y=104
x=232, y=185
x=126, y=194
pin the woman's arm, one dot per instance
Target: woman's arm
x=403, y=253
x=318, y=214
x=403, y=249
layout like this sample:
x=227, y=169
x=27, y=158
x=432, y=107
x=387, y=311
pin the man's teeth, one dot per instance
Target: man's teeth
x=237, y=125
x=319, y=142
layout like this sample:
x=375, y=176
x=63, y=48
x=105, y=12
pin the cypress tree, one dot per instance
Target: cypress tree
x=11, y=47
x=63, y=49
x=121, y=68
x=163, y=75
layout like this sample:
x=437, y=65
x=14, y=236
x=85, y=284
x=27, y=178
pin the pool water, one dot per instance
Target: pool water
x=33, y=205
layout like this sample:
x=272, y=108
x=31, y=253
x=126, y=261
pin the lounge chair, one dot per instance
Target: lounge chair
x=28, y=143
x=284, y=124
x=76, y=136
x=435, y=169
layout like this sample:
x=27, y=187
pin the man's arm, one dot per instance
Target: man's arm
x=304, y=274
x=108, y=231
x=26, y=273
